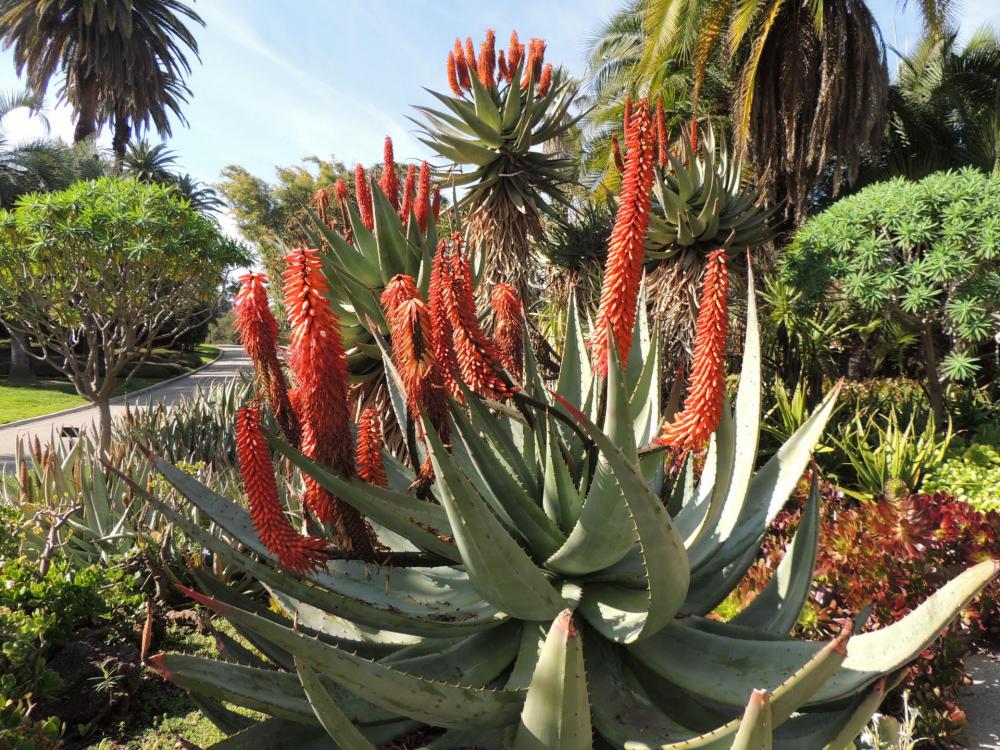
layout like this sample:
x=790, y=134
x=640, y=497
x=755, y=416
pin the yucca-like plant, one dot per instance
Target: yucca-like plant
x=542, y=596
x=501, y=110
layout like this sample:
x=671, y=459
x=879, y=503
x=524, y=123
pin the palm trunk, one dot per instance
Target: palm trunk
x=20, y=359
x=86, y=115
x=123, y=132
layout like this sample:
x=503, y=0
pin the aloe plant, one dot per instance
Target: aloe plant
x=541, y=596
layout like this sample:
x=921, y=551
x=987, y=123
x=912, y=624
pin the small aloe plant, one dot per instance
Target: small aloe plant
x=518, y=582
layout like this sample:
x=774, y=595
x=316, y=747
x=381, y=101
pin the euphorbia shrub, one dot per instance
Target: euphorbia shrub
x=890, y=554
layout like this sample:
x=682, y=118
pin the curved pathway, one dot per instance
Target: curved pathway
x=231, y=363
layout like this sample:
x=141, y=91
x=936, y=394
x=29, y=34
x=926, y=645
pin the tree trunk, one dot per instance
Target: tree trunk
x=935, y=389
x=104, y=424
x=119, y=142
x=86, y=115
x=20, y=360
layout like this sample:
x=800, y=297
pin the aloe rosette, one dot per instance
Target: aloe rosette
x=542, y=596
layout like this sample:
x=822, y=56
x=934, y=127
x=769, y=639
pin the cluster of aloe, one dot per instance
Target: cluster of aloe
x=542, y=595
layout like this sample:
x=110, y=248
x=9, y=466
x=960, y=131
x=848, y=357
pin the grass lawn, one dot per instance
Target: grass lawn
x=46, y=396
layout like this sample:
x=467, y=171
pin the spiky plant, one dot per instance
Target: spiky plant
x=541, y=592
x=500, y=111
x=700, y=203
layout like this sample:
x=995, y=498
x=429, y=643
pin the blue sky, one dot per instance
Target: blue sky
x=282, y=80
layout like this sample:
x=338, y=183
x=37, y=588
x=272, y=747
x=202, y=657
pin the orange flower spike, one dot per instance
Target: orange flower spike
x=533, y=68
x=693, y=426
x=369, y=451
x=504, y=73
x=258, y=330
x=626, y=247
x=616, y=154
x=508, y=330
x=436, y=204
x=462, y=67
x=411, y=334
x=662, y=144
x=487, y=59
x=470, y=55
x=422, y=207
x=627, y=116
x=453, y=75
x=478, y=358
x=389, y=182
x=409, y=186
x=295, y=552
x=515, y=53
x=442, y=340
x=319, y=363
x=363, y=193
x=545, y=82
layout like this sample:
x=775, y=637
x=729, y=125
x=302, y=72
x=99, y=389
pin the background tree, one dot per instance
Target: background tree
x=269, y=214
x=157, y=165
x=98, y=273
x=122, y=61
x=922, y=253
x=944, y=108
x=39, y=165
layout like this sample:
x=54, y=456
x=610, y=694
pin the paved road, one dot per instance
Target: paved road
x=226, y=367
x=981, y=702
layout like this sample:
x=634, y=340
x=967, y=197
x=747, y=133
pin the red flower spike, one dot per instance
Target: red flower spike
x=545, y=82
x=616, y=154
x=694, y=135
x=626, y=247
x=422, y=207
x=453, y=75
x=627, y=116
x=487, y=59
x=462, y=67
x=662, y=143
x=504, y=73
x=363, y=193
x=409, y=185
x=470, y=55
x=258, y=331
x=411, y=333
x=369, y=451
x=533, y=68
x=319, y=363
x=508, y=328
x=389, y=181
x=693, y=426
x=478, y=359
x=436, y=204
x=294, y=551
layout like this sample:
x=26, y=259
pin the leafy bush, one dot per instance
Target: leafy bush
x=39, y=612
x=971, y=471
x=921, y=253
x=890, y=554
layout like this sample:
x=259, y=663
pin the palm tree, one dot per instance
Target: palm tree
x=944, y=108
x=812, y=82
x=123, y=60
x=156, y=164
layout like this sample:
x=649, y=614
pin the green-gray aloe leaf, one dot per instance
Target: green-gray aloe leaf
x=336, y=723
x=556, y=713
x=776, y=609
x=499, y=569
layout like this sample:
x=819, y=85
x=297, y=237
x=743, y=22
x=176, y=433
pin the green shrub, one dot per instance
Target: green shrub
x=920, y=253
x=971, y=471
